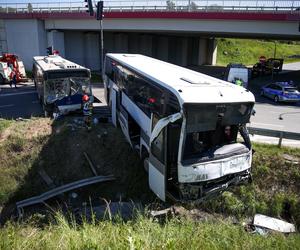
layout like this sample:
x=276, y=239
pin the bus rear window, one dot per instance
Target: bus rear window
x=67, y=74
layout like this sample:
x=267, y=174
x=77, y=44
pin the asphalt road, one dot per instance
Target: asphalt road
x=20, y=102
x=23, y=102
x=267, y=111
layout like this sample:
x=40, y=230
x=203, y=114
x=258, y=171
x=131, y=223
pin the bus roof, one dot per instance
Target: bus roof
x=189, y=86
x=55, y=62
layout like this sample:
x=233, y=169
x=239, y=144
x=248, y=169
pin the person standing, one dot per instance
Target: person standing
x=13, y=80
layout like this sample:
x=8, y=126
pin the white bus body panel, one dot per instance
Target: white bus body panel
x=157, y=182
x=214, y=169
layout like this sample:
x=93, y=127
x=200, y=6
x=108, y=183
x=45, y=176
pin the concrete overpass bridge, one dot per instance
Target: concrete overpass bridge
x=181, y=32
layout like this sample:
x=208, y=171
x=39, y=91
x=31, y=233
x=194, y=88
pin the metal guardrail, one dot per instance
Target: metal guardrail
x=153, y=5
x=274, y=133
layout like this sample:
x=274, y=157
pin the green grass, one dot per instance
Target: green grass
x=141, y=233
x=275, y=191
x=4, y=124
x=247, y=51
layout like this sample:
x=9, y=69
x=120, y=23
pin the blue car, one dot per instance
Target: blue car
x=281, y=92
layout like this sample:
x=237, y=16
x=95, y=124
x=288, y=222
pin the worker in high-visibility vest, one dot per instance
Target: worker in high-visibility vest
x=239, y=82
x=87, y=109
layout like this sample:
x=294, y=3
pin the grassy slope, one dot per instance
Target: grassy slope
x=248, y=51
x=141, y=234
x=26, y=146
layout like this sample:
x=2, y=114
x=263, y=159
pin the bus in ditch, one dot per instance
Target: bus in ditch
x=189, y=128
x=60, y=84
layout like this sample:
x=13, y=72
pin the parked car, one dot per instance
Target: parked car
x=237, y=74
x=281, y=92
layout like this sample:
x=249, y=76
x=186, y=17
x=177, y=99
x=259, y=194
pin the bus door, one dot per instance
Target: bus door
x=157, y=170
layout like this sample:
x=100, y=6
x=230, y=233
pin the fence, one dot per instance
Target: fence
x=275, y=133
x=153, y=5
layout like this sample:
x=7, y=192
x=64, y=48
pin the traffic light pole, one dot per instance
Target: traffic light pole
x=101, y=49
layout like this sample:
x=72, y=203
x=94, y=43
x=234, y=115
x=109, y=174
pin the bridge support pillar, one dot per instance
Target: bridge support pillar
x=207, y=53
x=146, y=45
x=182, y=51
x=121, y=43
x=133, y=43
x=56, y=39
x=202, y=51
x=92, y=51
x=162, y=52
x=212, y=51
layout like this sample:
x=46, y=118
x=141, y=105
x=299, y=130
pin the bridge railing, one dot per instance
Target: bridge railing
x=153, y=5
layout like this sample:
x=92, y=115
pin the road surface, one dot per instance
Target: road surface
x=21, y=102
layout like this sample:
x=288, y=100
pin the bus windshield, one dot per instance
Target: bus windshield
x=56, y=89
x=210, y=127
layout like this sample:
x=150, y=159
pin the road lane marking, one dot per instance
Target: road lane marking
x=19, y=93
x=267, y=124
x=6, y=106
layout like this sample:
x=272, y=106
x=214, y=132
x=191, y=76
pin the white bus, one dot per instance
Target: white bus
x=60, y=83
x=184, y=124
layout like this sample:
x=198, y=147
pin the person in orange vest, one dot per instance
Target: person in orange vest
x=87, y=108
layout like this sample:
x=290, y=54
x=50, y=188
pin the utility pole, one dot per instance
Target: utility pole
x=99, y=17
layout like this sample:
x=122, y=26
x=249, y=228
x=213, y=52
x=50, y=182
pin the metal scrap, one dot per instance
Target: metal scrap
x=263, y=224
x=59, y=190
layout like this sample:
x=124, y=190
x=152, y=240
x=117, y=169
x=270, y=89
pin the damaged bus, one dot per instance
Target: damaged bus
x=189, y=128
x=60, y=84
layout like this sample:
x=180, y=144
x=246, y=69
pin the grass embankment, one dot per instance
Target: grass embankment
x=141, y=233
x=27, y=146
x=248, y=51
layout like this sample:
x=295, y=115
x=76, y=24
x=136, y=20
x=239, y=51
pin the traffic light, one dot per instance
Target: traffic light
x=99, y=14
x=50, y=50
x=90, y=7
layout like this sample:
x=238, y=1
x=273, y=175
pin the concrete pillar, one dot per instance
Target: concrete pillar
x=121, y=43
x=202, y=52
x=146, y=45
x=182, y=51
x=212, y=51
x=109, y=44
x=92, y=51
x=133, y=43
x=75, y=47
x=42, y=38
x=162, y=52
x=3, y=39
x=57, y=40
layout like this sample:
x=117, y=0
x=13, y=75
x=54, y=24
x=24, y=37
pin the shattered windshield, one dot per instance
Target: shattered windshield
x=213, y=126
x=56, y=89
